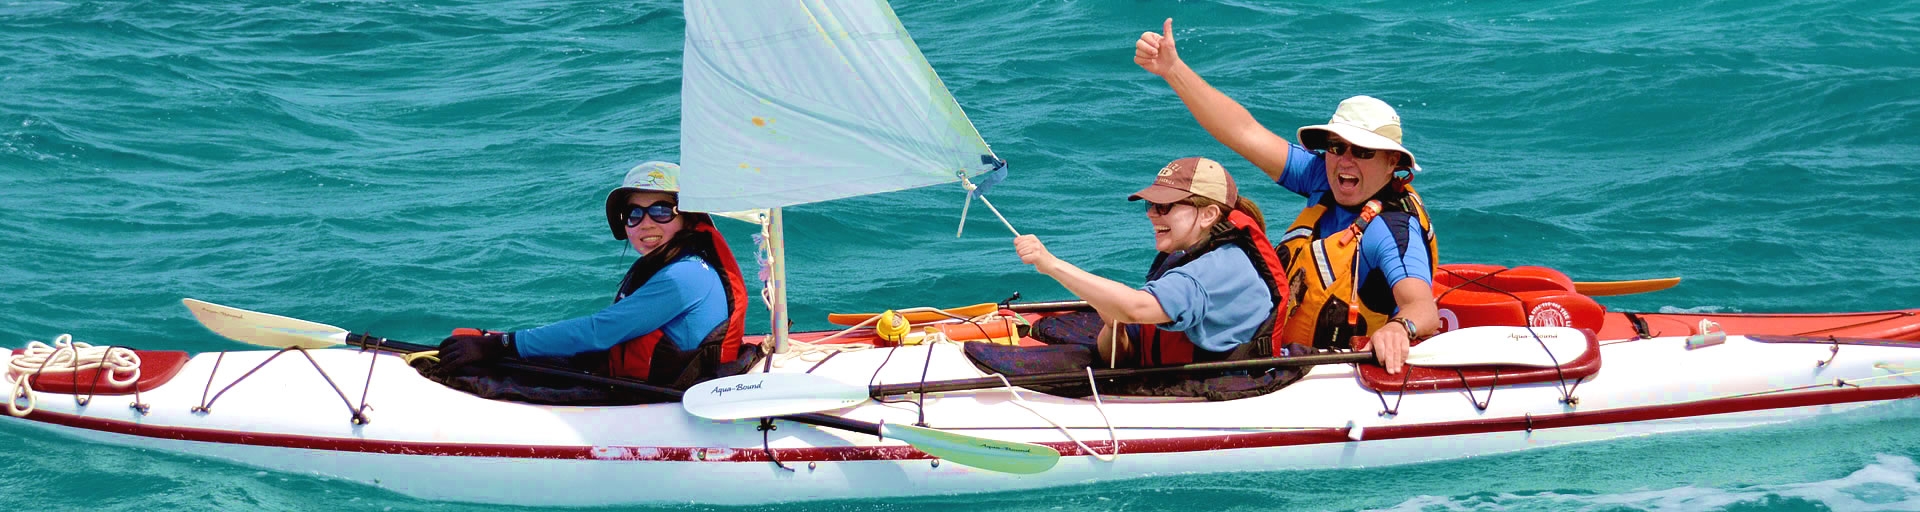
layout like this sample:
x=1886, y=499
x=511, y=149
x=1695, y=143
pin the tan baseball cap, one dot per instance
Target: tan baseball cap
x=1363, y=121
x=1191, y=176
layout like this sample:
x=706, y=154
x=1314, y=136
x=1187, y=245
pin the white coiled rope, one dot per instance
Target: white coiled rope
x=121, y=365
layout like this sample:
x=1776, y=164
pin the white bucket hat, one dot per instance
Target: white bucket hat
x=646, y=177
x=1363, y=121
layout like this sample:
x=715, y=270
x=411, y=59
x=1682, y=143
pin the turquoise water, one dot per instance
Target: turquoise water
x=404, y=169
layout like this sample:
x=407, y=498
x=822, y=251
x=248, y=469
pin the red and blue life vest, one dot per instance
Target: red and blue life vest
x=1157, y=347
x=658, y=360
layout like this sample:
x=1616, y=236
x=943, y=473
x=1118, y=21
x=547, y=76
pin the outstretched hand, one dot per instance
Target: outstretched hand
x=1155, y=53
x=1032, y=252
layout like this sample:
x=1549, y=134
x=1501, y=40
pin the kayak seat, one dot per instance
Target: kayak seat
x=156, y=368
x=1481, y=377
x=1480, y=277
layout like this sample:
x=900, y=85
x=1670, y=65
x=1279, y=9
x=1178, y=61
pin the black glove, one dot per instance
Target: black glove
x=471, y=347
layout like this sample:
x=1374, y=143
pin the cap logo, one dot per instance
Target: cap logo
x=1166, y=171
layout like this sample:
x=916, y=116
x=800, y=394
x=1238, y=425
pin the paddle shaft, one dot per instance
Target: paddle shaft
x=822, y=420
x=1050, y=378
x=1595, y=288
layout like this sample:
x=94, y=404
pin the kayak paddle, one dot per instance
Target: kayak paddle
x=1592, y=288
x=756, y=395
x=1611, y=288
x=275, y=331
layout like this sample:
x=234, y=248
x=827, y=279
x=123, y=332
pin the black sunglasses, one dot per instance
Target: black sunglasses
x=661, y=213
x=1340, y=147
x=1161, y=209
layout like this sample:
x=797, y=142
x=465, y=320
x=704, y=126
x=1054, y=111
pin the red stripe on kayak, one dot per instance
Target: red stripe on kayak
x=1536, y=422
x=901, y=452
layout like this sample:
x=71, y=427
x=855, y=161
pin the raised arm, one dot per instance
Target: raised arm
x=1220, y=115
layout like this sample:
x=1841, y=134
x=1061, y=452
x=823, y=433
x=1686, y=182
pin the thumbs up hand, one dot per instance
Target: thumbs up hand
x=1155, y=52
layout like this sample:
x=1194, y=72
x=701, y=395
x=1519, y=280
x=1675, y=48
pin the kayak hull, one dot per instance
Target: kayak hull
x=424, y=440
x=604, y=482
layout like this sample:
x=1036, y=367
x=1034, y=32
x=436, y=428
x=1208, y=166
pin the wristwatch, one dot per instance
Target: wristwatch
x=1412, y=331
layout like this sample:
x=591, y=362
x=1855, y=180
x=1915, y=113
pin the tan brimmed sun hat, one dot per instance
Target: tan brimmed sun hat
x=1363, y=121
x=646, y=177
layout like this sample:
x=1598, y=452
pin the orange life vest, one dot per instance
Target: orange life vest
x=658, y=360
x=1157, y=347
x=1320, y=271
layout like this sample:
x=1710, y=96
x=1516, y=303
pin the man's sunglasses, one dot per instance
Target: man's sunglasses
x=661, y=213
x=1340, y=147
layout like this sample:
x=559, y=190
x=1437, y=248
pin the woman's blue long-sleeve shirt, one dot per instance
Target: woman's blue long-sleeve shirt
x=685, y=299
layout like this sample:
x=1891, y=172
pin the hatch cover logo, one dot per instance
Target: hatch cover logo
x=1549, y=314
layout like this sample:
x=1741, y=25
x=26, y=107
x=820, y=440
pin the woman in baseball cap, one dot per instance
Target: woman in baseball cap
x=677, y=318
x=1212, y=292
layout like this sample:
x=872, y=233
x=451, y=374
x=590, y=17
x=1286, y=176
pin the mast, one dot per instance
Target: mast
x=777, y=278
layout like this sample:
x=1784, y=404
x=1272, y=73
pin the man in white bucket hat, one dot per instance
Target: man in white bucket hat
x=1360, y=257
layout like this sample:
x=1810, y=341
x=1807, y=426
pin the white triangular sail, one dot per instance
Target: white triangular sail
x=786, y=103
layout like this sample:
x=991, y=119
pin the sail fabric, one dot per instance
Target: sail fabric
x=794, y=102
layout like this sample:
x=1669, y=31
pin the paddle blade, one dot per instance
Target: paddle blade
x=1609, y=288
x=988, y=454
x=266, y=330
x=759, y=395
x=1500, y=345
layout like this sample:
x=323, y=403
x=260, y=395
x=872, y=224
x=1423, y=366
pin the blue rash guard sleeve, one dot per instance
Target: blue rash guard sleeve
x=1217, y=299
x=685, y=299
x=1397, y=258
x=1306, y=172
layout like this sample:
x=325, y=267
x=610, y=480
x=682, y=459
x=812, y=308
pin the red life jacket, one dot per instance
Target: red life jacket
x=658, y=360
x=1165, y=348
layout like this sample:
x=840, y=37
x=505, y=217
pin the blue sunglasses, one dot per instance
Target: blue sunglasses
x=661, y=213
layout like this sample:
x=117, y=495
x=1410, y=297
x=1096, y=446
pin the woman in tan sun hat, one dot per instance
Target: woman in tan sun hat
x=677, y=318
x=1213, y=292
x=1381, y=284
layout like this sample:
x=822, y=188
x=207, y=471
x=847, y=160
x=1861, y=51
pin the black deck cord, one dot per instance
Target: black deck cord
x=218, y=356
x=876, y=376
x=824, y=360
x=368, y=386
x=1639, y=325
x=1398, y=395
x=1566, y=393
x=1890, y=315
x=767, y=427
x=920, y=397
x=73, y=385
x=1830, y=355
x=206, y=406
x=136, y=405
x=1477, y=404
x=766, y=443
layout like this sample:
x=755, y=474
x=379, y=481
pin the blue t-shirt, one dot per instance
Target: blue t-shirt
x=1217, y=299
x=685, y=299
x=1399, y=252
